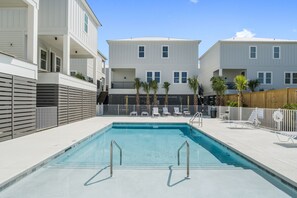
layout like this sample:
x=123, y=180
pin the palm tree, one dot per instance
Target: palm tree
x=218, y=85
x=137, y=86
x=166, y=87
x=253, y=84
x=146, y=88
x=155, y=87
x=241, y=84
x=194, y=85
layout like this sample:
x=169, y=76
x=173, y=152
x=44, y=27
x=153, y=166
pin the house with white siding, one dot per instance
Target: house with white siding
x=151, y=58
x=49, y=33
x=272, y=61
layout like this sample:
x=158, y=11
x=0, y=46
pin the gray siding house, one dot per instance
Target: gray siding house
x=151, y=58
x=272, y=61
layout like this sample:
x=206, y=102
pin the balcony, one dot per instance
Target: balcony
x=122, y=85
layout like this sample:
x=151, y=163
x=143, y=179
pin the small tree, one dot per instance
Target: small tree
x=218, y=85
x=154, y=85
x=194, y=85
x=137, y=86
x=241, y=84
x=253, y=84
x=166, y=86
x=146, y=88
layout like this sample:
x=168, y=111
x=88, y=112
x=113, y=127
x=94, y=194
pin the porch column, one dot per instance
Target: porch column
x=32, y=36
x=104, y=80
x=95, y=71
x=66, y=54
x=220, y=72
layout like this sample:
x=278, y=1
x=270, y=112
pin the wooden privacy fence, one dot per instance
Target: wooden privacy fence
x=267, y=99
x=17, y=106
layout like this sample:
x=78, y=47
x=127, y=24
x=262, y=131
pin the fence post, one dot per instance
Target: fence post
x=118, y=109
x=240, y=113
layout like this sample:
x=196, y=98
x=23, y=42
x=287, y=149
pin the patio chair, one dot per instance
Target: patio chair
x=186, y=112
x=155, y=112
x=290, y=136
x=165, y=112
x=133, y=113
x=177, y=112
x=144, y=113
x=252, y=121
x=225, y=115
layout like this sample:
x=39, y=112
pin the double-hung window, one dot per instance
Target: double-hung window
x=43, y=59
x=180, y=77
x=141, y=51
x=253, y=52
x=86, y=23
x=290, y=78
x=58, y=64
x=153, y=75
x=276, y=52
x=165, y=51
x=265, y=78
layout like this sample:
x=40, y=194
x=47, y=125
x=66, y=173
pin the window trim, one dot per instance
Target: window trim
x=153, y=75
x=180, y=77
x=86, y=15
x=162, y=51
x=279, y=52
x=73, y=71
x=291, y=77
x=264, y=77
x=250, y=47
x=46, y=61
x=139, y=51
x=61, y=64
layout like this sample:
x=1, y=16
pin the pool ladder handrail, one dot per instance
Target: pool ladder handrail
x=111, y=155
x=198, y=115
x=188, y=157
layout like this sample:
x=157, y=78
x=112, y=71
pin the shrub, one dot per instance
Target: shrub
x=290, y=106
x=232, y=103
x=80, y=76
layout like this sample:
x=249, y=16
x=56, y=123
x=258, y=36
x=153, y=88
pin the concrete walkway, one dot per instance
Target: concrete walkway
x=18, y=156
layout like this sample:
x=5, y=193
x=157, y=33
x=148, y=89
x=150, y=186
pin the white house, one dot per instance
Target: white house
x=272, y=61
x=151, y=58
x=49, y=34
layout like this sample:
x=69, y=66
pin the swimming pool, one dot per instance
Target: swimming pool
x=153, y=147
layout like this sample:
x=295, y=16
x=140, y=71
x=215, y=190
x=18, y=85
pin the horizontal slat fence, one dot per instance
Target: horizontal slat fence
x=17, y=106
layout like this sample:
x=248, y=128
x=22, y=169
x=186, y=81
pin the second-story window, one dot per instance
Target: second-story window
x=184, y=77
x=141, y=51
x=165, y=51
x=153, y=75
x=58, y=64
x=86, y=23
x=180, y=77
x=276, y=52
x=43, y=60
x=253, y=52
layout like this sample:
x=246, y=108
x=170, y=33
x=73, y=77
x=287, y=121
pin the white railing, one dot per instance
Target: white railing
x=46, y=117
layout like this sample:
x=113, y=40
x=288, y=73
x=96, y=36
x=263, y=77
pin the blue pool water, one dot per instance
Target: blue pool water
x=151, y=145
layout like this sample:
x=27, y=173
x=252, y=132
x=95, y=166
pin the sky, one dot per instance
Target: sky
x=205, y=20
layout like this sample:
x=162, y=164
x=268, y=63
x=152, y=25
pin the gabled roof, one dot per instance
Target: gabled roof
x=100, y=54
x=92, y=12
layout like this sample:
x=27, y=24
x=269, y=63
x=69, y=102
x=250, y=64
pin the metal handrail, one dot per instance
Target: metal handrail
x=188, y=157
x=111, y=155
x=198, y=115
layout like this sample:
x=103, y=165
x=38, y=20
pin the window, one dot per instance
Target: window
x=290, y=78
x=276, y=52
x=43, y=60
x=265, y=78
x=153, y=75
x=184, y=77
x=86, y=23
x=176, y=77
x=253, y=52
x=73, y=73
x=180, y=77
x=58, y=64
x=165, y=51
x=140, y=51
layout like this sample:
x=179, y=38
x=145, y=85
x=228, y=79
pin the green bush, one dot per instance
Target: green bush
x=80, y=76
x=232, y=103
x=290, y=106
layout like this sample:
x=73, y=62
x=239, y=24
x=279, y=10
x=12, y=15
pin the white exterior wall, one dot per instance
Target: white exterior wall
x=13, y=25
x=52, y=17
x=77, y=12
x=79, y=65
x=183, y=56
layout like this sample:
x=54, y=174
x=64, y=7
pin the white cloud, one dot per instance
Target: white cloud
x=194, y=1
x=245, y=34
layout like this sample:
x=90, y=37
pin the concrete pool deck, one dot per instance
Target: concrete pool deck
x=21, y=154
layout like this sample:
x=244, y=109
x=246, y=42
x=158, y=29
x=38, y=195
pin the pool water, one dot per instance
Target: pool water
x=151, y=145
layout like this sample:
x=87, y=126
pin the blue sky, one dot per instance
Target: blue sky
x=206, y=20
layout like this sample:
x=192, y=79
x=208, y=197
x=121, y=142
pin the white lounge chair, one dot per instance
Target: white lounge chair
x=290, y=136
x=155, y=112
x=133, y=113
x=186, y=112
x=144, y=113
x=252, y=121
x=177, y=112
x=165, y=112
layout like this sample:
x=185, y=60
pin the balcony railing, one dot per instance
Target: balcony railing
x=230, y=85
x=122, y=85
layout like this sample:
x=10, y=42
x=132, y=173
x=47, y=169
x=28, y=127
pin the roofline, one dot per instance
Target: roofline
x=122, y=40
x=92, y=12
x=100, y=53
x=218, y=42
